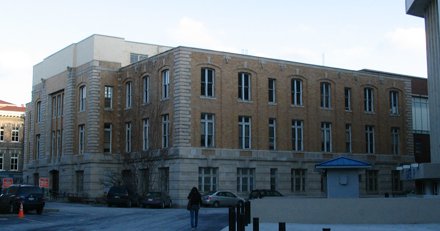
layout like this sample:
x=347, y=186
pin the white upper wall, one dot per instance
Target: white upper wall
x=95, y=47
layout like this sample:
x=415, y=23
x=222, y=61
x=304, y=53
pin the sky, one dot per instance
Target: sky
x=354, y=35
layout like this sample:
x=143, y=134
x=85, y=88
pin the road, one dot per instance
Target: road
x=78, y=217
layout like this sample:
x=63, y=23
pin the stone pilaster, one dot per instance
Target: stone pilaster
x=69, y=113
x=93, y=107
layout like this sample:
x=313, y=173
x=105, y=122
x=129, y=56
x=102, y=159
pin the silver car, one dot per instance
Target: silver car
x=221, y=198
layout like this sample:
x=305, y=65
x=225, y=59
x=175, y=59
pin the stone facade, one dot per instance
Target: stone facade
x=175, y=159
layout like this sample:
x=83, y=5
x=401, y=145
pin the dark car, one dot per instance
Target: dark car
x=156, y=199
x=221, y=198
x=30, y=196
x=260, y=193
x=122, y=196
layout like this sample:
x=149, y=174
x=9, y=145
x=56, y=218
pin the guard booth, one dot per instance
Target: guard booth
x=342, y=176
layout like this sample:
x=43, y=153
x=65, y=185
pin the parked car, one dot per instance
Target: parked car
x=30, y=196
x=221, y=198
x=156, y=199
x=260, y=193
x=122, y=196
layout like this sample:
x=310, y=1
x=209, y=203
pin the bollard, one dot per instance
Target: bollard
x=282, y=226
x=247, y=212
x=240, y=222
x=325, y=229
x=256, y=224
x=231, y=219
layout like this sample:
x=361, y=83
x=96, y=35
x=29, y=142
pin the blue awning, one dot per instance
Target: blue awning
x=343, y=162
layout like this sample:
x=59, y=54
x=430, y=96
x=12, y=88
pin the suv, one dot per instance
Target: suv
x=30, y=196
x=122, y=196
x=260, y=193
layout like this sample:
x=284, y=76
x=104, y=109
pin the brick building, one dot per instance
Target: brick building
x=11, y=141
x=182, y=117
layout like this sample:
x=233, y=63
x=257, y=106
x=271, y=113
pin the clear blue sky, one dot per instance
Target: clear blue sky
x=374, y=34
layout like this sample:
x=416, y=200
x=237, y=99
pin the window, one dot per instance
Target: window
x=371, y=181
x=326, y=95
x=107, y=138
x=37, y=147
x=128, y=95
x=165, y=130
x=207, y=82
x=369, y=138
x=38, y=111
x=60, y=99
x=298, y=180
x=394, y=102
x=348, y=147
x=368, y=100
x=81, y=138
x=208, y=179
x=53, y=143
x=15, y=132
x=145, y=134
x=54, y=106
x=244, y=129
x=326, y=137
x=420, y=115
x=2, y=133
x=128, y=137
x=273, y=178
x=14, y=162
x=108, y=97
x=396, y=183
x=79, y=180
x=296, y=86
x=146, y=90
x=347, y=93
x=272, y=134
x=395, y=141
x=59, y=143
x=207, y=130
x=165, y=84
x=1, y=161
x=82, y=98
x=272, y=90
x=244, y=86
x=245, y=179
x=137, y=57
x=297, y=135
x=164, y=179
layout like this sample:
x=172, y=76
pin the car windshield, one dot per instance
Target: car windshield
x=153, y=194
x=209, y=193
x=117, y=190
x=30, y=190
x=274, y=193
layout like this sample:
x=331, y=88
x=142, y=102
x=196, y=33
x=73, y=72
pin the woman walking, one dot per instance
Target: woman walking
x=194, y=201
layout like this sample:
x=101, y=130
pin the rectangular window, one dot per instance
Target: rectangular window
x=273, y=178
x=53, y=143
x=396, y=183
x=59, y=143
x=297, y=135
x=368, y=100
x=395, y=141
x=38, y=111
x=128, y=135
x=165, y=84
x=82, y=98
x=347, y=93
x=165, y=130
x=2, y=133
x=371, y=181
x=15, y=134
x=108, y=97
x=297, y=92
x=128, y=95
x=420, y=115
x=272, y=90
x=272, y=134
x=79, y=180
x=37, y=147
x=208, y=179
x=369, y=138
x=60, y=99
x=164, y=179
x=1, y=161
x=137, y=57
x=245, y=179
x=244, y=86
x=207, y=82
x=146, y=90
x=207, y=130
x=81, y=138
x=14, y=162
x=348, y=141
x=54, y=106
x=244, y=129
x=107, y=138
x=326, y=95
x=145, y=134
x=326, y=137
x=394, y=102
x=298, y=180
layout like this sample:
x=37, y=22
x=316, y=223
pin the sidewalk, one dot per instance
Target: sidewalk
x=346, y=227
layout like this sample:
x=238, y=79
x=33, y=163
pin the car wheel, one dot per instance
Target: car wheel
x=109, y=205
x=11, y=208
x=163, y=204
x=216, y=204
x=40, y=210
x=170, y=205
